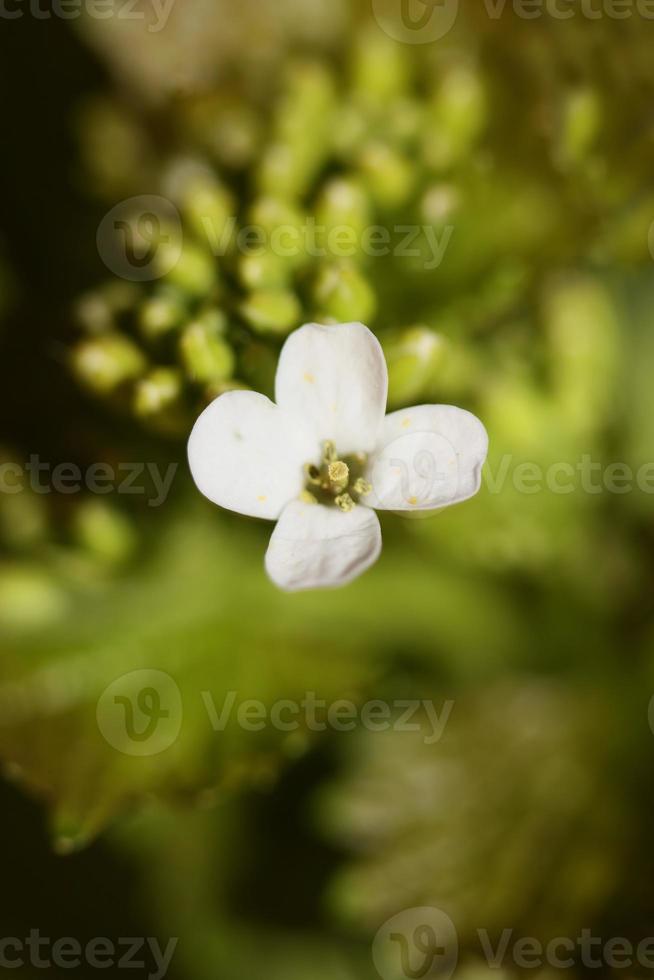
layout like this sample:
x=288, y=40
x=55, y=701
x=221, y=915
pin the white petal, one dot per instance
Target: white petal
x=247, y=455
x=335, y=378
x=430, y=456
x=314, y=546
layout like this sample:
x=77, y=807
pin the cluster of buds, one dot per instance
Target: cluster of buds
x=319, y=218
x=386, y=193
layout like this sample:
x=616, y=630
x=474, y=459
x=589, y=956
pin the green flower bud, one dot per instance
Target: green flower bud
x=206, y=205
x=302, y=132
x=105, y=362
x=413, y=357
x=272, y=311
x=342, y=293
x=264, y=271
x=282, y=226
x=195, y=270
x=205, y=353
x=308, y=100
x=104, y=532
x=343, y=204
x=157, y=392
x=381, y=67
x=580, y=125
x=161, y=313
x=388, y=175
x=208, y=208
x=284, y=169
x=269, y=212
x=98, y=310
x=455, y=119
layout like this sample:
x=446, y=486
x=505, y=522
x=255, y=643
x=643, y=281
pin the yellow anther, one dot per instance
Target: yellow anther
x=344, y=502
x=362, y=487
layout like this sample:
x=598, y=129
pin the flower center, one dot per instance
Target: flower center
x=336, y=481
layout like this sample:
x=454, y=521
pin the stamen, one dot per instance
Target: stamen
x=344, y=502
x=362, y=487
x=334, y=480
x=328, y=451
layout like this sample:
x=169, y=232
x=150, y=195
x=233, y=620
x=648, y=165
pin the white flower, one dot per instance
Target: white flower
x=320, y=459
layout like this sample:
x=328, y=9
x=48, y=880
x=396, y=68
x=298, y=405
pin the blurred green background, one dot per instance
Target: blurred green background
x=275, y=853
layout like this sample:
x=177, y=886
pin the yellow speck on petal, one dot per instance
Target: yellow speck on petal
x=262, y=498
x=406, y=423
x=413, y=501
x=333, y=406
x=308, y=377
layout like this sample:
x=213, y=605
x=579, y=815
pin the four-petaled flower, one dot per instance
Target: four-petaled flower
x=320, y=459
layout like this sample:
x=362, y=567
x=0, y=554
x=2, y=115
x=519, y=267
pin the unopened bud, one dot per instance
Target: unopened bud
x=455, y=119
x=272, y=311
x=105, y=362
x=195, y=270
x=343, y=294
x=413, y=358
x=381, y=67
x=161, y=313
x=389, y=176
x=205, y=353
x=265, y=271
x=157, y=392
